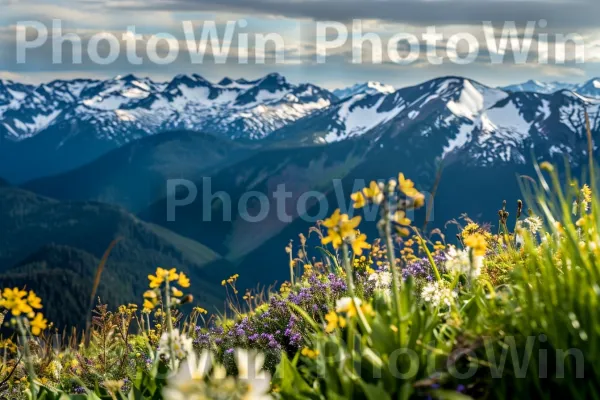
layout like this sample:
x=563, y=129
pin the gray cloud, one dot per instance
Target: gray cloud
x=559, y=14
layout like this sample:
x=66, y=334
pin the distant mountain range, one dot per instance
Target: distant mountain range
x=590, y=88
x=82, y=186
x=65, y=124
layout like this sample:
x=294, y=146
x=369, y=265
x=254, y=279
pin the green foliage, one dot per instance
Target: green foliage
x=507, y=315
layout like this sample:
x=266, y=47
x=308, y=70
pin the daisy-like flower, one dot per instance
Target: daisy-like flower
x=534, y=224
x=438, y=294
x=14, y=301
x=161, y=275
x=346, y=305
x=340, y=227
x=191, y=373
x=382, y=279
x=182, y=345
x=348, y=226
x=250, y=371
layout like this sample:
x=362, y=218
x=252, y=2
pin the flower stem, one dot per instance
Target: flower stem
x=387, y=223
x=30, y=371
x=350, y=279
x=429, y=256
x=291, y=269
x=169, y=323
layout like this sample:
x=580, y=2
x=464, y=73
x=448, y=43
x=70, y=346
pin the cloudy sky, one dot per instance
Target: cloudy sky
x=387, y=55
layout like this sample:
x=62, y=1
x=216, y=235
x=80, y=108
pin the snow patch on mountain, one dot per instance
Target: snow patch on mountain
x=508, y=118
x=461, y=139
x=356, y=119
x=470, y=103
x=370, y=87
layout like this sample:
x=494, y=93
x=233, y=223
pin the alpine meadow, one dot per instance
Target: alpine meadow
x=335, y=199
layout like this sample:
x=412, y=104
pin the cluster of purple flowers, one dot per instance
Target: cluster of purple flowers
x=276, y=327
x=422, y=269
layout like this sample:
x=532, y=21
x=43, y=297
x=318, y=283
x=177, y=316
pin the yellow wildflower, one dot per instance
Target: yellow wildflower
x=183, y=281
x=334, y=321
x=148, y=306
x=470, y=229
x=439, y=246
x=155, y=281
x=34, y=301
x=14, y=300
x=332, y=237
x=418, y=200
x=359, y=200
x=586, y=192
x=360, y=243
x=176, y=292
x=312, y=354
x=407, y=186
x=348, y=226
x=200, y=310
x=373, y=192
x=400, y=218
x=334, y=220
x=171, y=275
x=38, y=324
x=477, y=243
x=347, y=305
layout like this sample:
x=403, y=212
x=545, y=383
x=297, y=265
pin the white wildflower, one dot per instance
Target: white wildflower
x=181, y=345
x=459, y=262
x=189, y=378
x=345, y=304
x=438, y=294
x=55, y=369
x=382, y=279
x=250, y=371
x=534, y=224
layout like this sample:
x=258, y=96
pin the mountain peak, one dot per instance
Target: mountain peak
x=126, y=78
x=272, y=80
x=225, y=81
x=369, y=87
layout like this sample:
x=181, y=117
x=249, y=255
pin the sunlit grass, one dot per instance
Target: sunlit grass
x=405, y=315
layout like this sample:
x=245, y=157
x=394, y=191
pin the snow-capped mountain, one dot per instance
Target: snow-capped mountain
x=370, y=87
x=539, y=87
x=458, y=116
x=11, y=94
x=66, y=124
x=588, y=89
x=124, y=108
